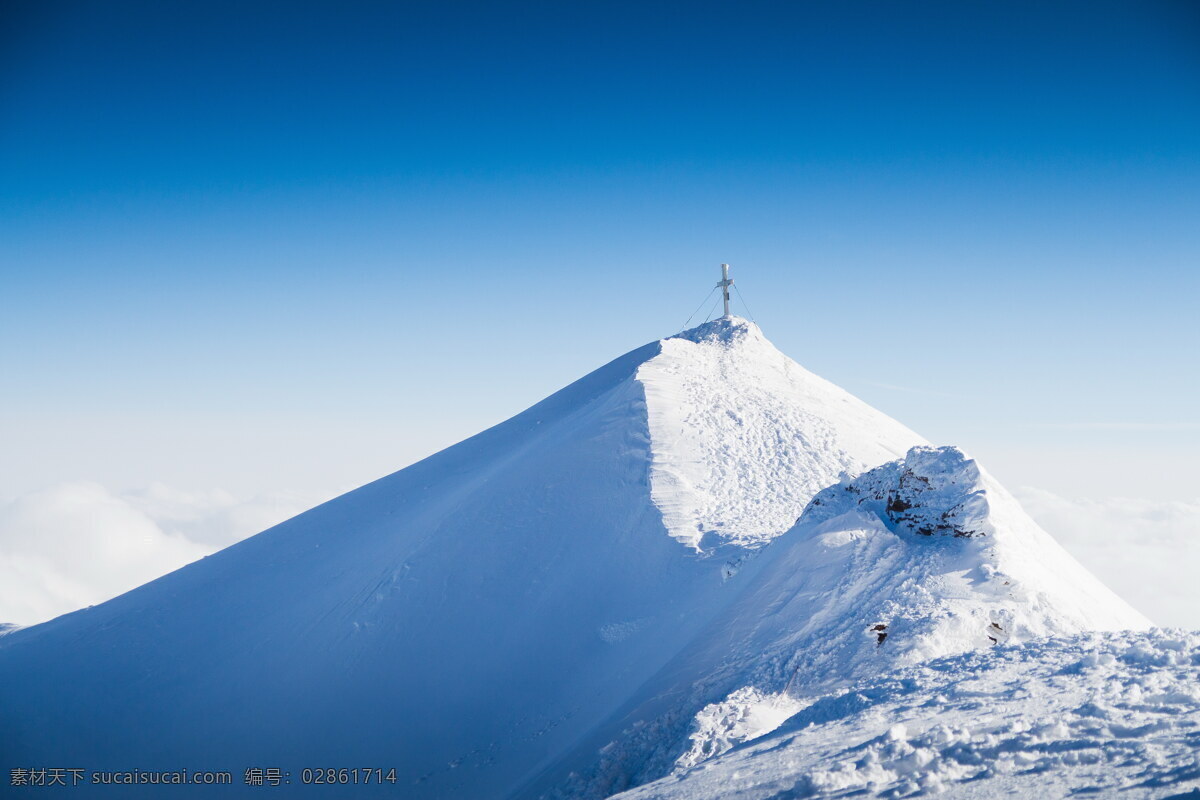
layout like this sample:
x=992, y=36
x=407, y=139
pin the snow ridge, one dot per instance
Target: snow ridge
x=916, y=559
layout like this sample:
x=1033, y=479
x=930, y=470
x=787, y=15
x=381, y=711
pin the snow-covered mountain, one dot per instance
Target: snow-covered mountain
x=608, y=585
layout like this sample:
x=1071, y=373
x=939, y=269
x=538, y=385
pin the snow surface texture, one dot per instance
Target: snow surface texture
x=1098, y=714
x=742, y=436
x=565, y=605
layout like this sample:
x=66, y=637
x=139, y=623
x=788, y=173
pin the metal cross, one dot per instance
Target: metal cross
x=724, y=285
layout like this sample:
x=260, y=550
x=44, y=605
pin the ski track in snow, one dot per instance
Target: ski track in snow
x=1114, y=714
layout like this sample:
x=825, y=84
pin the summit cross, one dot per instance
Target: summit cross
x=724, y=285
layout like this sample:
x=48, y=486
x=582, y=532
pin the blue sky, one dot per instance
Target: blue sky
x=296, y=246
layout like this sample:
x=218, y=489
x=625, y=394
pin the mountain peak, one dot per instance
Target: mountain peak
x=742, y=436
x=723, y=329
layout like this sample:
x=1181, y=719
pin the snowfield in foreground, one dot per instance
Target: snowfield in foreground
x=1107, y=715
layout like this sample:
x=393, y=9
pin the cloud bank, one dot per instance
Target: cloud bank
x=78, y=544
x=1146, y=551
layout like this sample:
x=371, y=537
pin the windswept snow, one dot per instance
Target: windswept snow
x=1114, y=714
x=742, y=436
x=744, y=715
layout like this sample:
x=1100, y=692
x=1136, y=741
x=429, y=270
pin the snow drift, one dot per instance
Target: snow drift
x=544, y=609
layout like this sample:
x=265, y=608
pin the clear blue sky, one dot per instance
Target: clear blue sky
x=269, y=245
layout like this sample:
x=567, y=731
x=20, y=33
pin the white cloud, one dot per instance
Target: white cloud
x=215, y=518
x=78, y=544
x=1148, y=552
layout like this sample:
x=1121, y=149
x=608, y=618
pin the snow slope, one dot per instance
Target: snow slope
x=567, y=604
x=1109, y=715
